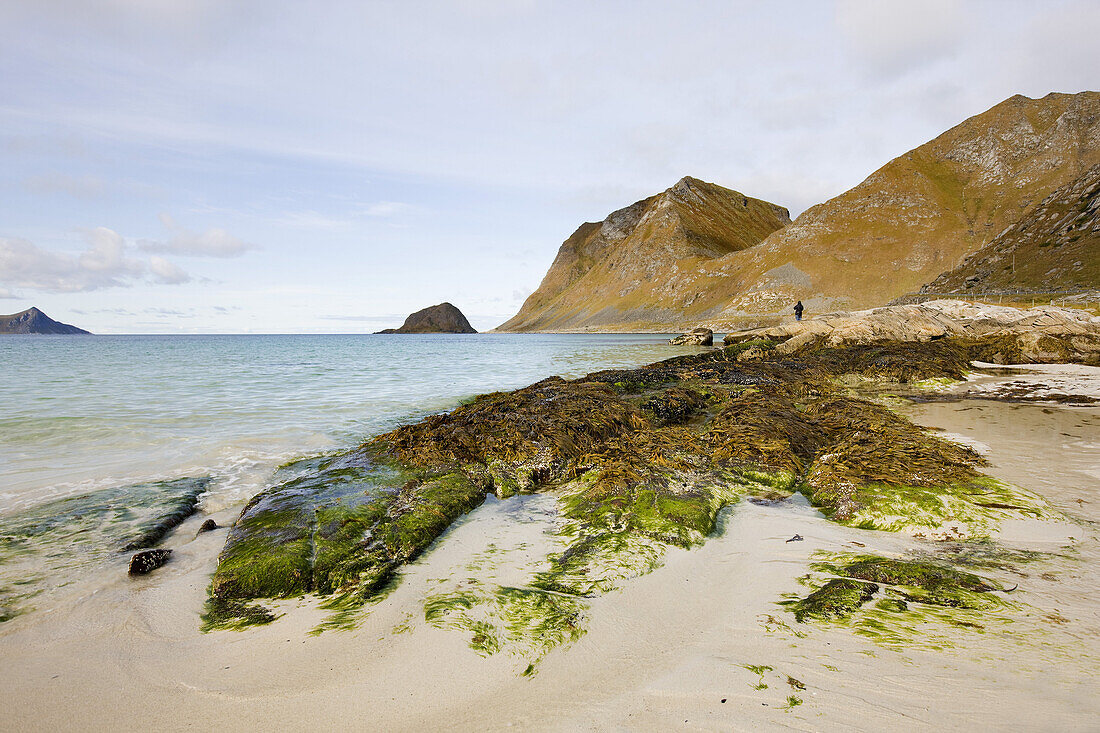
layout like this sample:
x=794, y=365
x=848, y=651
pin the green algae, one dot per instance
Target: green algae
x=916, y=602
x=641, y=460
x=340, y=531
x=523, y=621
x=759, y=670
x=838, y=598
x=50, y=545
x=232, y=615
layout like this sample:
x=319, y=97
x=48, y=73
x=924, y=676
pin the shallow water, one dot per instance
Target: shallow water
x=84, y=413
x=668, y=650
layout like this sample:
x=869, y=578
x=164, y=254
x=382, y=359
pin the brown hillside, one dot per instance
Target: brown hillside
x=630, y=266
x=1055, y=247
x=914, y=218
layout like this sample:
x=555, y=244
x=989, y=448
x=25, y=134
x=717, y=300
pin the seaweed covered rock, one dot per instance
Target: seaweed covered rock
x=639, y=460
x=904, y=586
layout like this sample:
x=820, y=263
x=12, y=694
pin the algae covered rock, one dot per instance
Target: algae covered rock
x=338, y=529
x=639, y=460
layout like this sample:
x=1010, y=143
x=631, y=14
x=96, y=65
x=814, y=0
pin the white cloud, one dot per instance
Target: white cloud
x=166, y=272
x=214, y=242
x=383, y=209
x=81, y=187
x=892, y=37
x=106, y=263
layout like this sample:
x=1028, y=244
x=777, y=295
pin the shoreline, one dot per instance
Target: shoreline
x=624, y=673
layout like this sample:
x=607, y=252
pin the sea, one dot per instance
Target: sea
x=86, y=413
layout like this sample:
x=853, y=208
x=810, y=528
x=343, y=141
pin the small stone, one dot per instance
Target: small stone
x=208, y=526
x=147, y=561
x=796, y=538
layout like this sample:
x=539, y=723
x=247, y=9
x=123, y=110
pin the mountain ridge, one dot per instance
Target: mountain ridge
x=915, y=217
x=620, y=262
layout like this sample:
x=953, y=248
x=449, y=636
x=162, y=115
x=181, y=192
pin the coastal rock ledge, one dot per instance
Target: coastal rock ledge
x=442, y=318
x=695, y=337
x=1044, y=334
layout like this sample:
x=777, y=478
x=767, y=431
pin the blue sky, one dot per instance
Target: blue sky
x=220, y=166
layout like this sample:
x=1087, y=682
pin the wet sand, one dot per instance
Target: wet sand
x=663, y=652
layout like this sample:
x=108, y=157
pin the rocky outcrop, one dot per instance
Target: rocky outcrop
x=1056, y=247
x=632, y=267
x=1043, y=334
x=33, y=320
x=639, y=460
x=695, y=337
x=442, y=318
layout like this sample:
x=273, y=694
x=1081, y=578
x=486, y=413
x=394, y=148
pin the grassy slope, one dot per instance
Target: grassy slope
x=909, y=221
x=634, y=260
x=1055, y=247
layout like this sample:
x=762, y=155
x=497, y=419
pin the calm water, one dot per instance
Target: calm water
x=84, y=413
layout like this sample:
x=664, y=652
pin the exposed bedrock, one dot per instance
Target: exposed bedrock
x=1044, y=334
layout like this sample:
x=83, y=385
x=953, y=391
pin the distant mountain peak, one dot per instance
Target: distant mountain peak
x=34, y=321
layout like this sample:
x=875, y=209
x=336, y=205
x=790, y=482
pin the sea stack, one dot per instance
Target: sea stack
x=442, y=318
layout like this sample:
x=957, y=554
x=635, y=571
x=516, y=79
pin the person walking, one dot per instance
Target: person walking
x=798, y=311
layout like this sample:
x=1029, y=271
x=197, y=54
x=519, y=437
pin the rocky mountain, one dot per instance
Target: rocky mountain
x=1056, y=246
x=632, y=266
x=442, y=318
x=33, y=320
x=914, y=218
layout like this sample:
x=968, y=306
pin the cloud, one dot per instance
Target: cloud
x=166, y=272
x=383, y=209
x=104, y=264
x=892, y=37
x=358, y=318
x=213, y=242
x=81, y=187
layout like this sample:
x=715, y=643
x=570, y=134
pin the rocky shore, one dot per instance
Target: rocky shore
x=641, y=461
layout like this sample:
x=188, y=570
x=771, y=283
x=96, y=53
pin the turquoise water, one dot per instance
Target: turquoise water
x=84, y=413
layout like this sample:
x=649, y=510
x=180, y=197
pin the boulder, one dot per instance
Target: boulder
x=695, y=337
x=147, y=561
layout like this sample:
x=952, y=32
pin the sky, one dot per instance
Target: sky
x=221, y=166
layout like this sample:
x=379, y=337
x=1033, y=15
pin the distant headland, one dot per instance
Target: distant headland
x=33, y=320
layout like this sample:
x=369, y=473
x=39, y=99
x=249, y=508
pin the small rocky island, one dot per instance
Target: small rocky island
x=442, y=318
x=33, y=320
